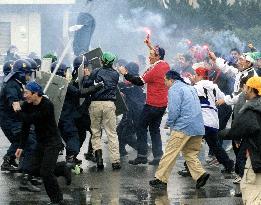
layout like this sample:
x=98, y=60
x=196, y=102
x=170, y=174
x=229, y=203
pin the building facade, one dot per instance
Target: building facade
x=38, y=26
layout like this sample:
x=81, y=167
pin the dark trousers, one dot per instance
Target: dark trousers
x=84, y=125
x=126, y=131
x=217, y=149
x=224, y=113
x=11, y=129
x=150, y=118
x=44, y=165
x=28, y=152
x=69, y=133
x=240, y=158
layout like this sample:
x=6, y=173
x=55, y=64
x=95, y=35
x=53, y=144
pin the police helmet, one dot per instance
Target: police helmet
x=22, y=66
x=78, y=61
x=34, y=66
x=8, y=67
x=61, y=70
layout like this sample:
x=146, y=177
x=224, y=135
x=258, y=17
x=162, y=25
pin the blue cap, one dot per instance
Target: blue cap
x=34, y=87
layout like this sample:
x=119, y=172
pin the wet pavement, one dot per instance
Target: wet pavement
x=129, y=186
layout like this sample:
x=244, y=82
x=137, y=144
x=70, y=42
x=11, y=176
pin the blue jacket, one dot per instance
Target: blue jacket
x=184, y=110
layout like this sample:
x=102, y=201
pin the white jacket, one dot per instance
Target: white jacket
x=208, y=93
x=237, y=75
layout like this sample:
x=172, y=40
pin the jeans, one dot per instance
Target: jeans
x=150, y=118
x=212, y=141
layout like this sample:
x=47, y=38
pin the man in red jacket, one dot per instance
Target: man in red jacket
x=156, y=103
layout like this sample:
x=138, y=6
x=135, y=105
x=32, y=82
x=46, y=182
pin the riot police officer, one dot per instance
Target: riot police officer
x=71, y=128
x=11, y=94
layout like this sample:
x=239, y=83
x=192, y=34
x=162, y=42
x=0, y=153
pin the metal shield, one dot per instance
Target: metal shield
x=56, y=91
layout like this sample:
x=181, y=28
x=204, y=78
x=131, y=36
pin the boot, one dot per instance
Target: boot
x=99, y=160
x=27, y=185
x=9, y=164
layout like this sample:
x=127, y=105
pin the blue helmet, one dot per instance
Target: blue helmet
x=8, y=67
x=34, y=65
x=78, y=61
x=22, y=66
x=61, y=70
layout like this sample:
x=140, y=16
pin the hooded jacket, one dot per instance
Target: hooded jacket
x=247, y=126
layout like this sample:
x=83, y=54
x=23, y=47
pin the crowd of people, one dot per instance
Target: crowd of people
x=202, y=92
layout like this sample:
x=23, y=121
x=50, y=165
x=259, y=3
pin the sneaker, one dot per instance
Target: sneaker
x=156, y=183
x=210, y=158
x=139, y=160
x=184, y=173
x=9, y=164
x=237, y=180
x=214, y=163
x=116, y=166
x=36, y=181
x=202, y=180
x=227, y=171
x=154, y=162
x=26, y=185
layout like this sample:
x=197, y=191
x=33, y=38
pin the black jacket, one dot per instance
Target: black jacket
x=247, y=126
x=110, y=78
x=135, y=100
x=71, y=107
x=12, y=91
x=42, y=117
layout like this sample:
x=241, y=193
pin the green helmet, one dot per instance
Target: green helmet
x=108, y=58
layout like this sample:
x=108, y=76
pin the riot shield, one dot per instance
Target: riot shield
x=93, y=57
x=120, y=103
x=46, y=64
x=56, y=91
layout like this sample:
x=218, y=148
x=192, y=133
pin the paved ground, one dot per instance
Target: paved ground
x=129, y=186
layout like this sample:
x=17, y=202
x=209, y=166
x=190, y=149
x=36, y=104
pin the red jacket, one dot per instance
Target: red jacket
x=157, y=92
